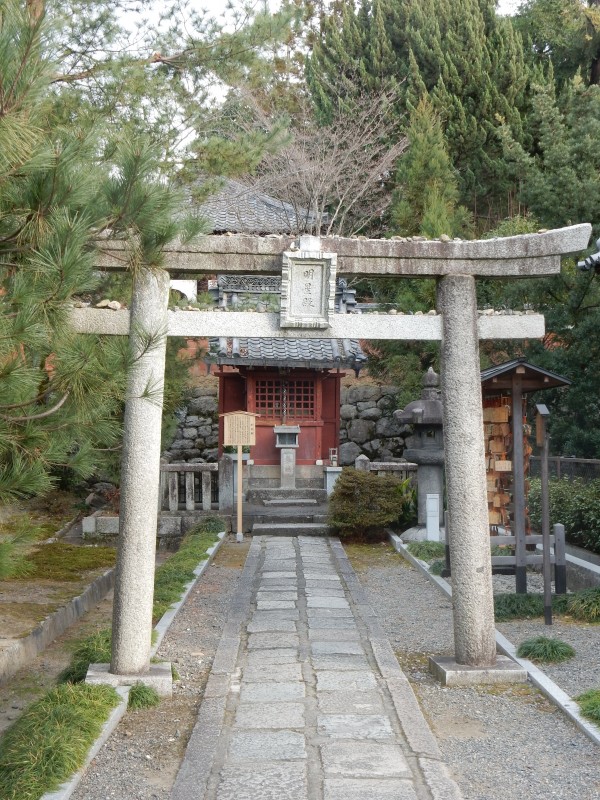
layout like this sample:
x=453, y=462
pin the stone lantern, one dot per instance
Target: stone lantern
x=426, y=449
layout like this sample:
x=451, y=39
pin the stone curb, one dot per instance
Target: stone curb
x=164, y=623
x=538, y=678
x=65, y=791
x=24, y=650
x=414, y=726
x=196, y=765
x=64, y=530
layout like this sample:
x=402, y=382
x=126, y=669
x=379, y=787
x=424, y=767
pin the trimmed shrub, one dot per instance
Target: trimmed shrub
x=363, y=502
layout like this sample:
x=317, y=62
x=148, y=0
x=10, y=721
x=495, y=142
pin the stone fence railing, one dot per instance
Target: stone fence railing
x=400, y=469
x=188, y=486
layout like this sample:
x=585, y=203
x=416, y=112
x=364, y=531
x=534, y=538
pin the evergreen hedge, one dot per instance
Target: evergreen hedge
x=575, y=504
x=363, y=502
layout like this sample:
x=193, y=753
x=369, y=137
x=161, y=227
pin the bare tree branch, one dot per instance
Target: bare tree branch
x=336, y=177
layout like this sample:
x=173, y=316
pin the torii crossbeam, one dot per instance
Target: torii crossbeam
x=455, y=264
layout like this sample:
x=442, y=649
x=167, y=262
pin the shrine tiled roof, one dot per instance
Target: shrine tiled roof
x=237, y=208
x=306, y=353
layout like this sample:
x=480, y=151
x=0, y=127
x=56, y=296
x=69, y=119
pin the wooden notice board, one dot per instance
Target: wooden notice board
x=239, y=428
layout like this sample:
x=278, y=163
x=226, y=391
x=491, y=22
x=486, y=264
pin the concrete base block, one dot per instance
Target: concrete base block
x=419, y=534
x=108, y=525
x=159, y=677
x=88, y=525
x=449, y=673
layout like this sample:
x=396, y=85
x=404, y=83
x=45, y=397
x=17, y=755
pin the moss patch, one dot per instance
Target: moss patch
x=363, y=555
x=60, y=561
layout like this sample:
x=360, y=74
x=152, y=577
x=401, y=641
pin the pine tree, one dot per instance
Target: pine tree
x=467, y=59
x=560, y=169
x=344, y=63
x=426, y=198
x=69, y=176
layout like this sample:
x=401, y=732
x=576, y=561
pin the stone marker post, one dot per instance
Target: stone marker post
x=140, y=476
x=474, y=630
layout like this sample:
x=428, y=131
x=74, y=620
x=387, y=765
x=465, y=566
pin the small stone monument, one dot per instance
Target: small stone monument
x=286, y=441
x=426, y=449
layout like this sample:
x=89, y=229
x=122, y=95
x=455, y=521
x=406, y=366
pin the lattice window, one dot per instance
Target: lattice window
x=285, y=400
x=301, y=399
x=268, y=401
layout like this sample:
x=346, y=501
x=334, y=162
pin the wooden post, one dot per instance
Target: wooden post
x=519, y=484
x=542, y=439
x=240, y=532
x=239, y=430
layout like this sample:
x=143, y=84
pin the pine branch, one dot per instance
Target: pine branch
x=44, y=414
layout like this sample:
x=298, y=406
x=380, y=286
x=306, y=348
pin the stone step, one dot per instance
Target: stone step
x=259, y=496
x=285, y=515
x=300, y=501
x=290, y=529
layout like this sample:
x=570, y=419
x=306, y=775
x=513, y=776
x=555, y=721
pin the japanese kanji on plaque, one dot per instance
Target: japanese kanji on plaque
x=240, y=428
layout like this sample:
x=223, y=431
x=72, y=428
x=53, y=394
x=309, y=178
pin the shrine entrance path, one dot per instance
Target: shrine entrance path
x=305, y=699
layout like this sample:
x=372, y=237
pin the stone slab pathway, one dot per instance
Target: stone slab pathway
x=306, y=700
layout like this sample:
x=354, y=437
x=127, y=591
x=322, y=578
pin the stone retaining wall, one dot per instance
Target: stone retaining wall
x=367, y=425
x=197, y=437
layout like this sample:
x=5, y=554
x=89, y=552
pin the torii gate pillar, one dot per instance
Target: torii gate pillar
x=140, y=475
x=474, y=629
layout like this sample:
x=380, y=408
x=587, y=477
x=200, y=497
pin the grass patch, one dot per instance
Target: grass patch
x=585, y=605
x=51, y=739
x=426, y=551
x=169, y=582
x=525, y=606
x=60, y=561
x=94, y=649
x=437, y=567
x=172, y=576
x=589, y=703
x=545, y=650
x=142, y=696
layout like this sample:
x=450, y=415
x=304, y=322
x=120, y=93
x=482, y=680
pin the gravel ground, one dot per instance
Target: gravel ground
x=498, y=742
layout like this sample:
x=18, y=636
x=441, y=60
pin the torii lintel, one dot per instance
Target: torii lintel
x=527, y=255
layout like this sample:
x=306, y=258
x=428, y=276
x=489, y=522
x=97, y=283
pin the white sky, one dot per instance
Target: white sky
x=216, y=7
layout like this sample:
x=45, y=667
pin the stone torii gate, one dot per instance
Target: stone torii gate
x=307, y=311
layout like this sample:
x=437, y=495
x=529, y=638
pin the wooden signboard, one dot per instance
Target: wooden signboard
x=240, y=431
x=240, y=428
